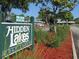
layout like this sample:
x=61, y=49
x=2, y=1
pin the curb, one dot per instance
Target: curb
x=73, y=47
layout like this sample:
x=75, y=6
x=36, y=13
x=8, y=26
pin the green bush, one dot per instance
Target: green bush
x=48, y=40
x=61, y=34
x=40, y=35
x=52, y=40
x=44, y=37
x=30, y=57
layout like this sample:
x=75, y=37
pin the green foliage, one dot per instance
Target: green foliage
x=59, y=2
x=44, y=15
x=40, y=35
x=44, y=37
x=1, y=16
x=8, y=4
x=52, y=39
x=58, y=38
x=77, y=20
x=68, y=15
x=61, y=34
x=34, y=57
x=65, y=15
x=13, y=17
x=65, y=6
x=30, y=57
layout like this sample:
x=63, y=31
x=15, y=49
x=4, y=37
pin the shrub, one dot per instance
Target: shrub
x=30, y=57
x=44, y=36
x=40, y=35
x=61, y=34
x=51, y=39
x=48, y=40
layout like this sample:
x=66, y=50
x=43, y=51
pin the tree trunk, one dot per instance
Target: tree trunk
x=67, y=22
x=47, y=23
x=55, y=29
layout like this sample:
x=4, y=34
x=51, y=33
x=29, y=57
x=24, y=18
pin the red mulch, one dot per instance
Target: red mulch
x=43, y=52
x=62, y=52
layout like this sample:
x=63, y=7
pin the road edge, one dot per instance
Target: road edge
x=73, y=47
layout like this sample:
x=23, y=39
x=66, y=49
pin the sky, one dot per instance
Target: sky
x=75, y=11
x=33, y=11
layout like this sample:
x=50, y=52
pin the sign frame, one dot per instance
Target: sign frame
x=31, y=32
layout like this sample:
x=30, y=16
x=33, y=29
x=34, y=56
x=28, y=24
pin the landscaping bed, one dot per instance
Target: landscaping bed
x=43, y=51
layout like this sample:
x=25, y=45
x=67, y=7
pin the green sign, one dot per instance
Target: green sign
x=15, y=37
x=19, y=18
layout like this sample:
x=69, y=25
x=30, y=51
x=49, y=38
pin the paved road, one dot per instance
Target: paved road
x=75, y=33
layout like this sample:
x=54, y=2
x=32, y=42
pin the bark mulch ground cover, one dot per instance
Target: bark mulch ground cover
x=64, y=51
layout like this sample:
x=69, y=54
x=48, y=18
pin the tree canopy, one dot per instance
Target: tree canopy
x=58, y=9
x=66, y=15
x=6, y=5
x=76, y=20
